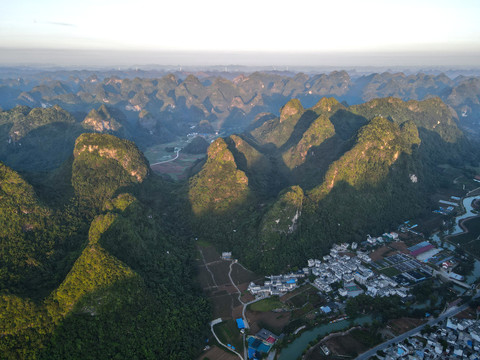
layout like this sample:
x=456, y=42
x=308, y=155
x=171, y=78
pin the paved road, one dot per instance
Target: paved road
x=244, y=305
x=472, y=191
x=217, y=321
x=450, y=312
x=166, y=161
x=445, y=275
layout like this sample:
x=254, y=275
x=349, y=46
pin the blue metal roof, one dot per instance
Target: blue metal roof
x=240, y=323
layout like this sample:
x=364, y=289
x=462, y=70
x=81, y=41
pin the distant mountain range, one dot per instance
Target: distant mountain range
x=160, y=108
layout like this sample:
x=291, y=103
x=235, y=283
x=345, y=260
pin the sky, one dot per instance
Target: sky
x=447, y=28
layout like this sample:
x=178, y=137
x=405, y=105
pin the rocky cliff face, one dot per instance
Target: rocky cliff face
x=103, y=164
x=101, y=120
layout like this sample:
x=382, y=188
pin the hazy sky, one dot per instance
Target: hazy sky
x=318, y=26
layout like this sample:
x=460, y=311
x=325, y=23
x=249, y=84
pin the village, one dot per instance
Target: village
x=394, y=264
x=351, y=271
x=452, y=339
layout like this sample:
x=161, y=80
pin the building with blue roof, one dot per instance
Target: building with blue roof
x=326, y=309
x=240, y=323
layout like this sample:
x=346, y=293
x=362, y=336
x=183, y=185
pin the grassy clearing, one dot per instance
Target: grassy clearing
x=203, y=243
x=391, y=271
x=266, y=304
x=308, y=296
x=228, y=333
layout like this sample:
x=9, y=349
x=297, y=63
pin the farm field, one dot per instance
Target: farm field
x=346, y=346
x=176, y=169
x=399, y=326
x=215, y=353
x=212, y=276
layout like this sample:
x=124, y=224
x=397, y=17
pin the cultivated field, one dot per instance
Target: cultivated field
x=399, y=326
x=273, y=321
x=176, y=169
x=215, y=353
x=212, y=275
x=344, y=347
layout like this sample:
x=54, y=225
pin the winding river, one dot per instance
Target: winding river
x=467, y=204
x=295, y=348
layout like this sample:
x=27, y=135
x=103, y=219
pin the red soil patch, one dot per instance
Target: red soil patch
x=381, y=252
x=467, y=314
x=345, y=345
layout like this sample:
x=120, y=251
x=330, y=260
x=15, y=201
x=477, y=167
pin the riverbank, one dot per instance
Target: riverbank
x=315, y=350
x=297, y=346
x=467, y=229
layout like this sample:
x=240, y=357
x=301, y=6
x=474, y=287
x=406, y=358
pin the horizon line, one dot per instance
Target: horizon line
x=109, y=57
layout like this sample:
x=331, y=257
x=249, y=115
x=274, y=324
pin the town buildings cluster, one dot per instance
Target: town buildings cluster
x=276, y=285
x=454, y=339
x=351, y=270
x=343, y=265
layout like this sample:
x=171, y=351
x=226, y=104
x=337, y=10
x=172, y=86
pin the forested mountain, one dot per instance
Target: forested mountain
x=97, y=252
x=102, y=120
x=331, y=173
x=103, y=276
x=155, y=109
x=37, y=139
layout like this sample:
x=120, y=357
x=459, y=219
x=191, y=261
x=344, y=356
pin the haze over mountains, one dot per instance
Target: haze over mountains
x=139, y=140
x=160, y=108
x=94, y=244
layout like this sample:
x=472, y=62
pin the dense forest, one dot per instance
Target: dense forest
x=328, y=173
x=100, y=274
x=97, y=251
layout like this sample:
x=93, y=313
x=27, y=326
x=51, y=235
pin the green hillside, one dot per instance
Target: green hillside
x=36, y=139
x=122, y=290
x=355, y=165
x=379, y=144
x=277, y=131
x=320, y=130
x=24, y=239
x=103, y=164
x=431, y=114
x=219, y=186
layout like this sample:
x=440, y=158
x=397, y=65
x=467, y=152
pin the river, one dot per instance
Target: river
x=467, y=204
x=295, y=349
